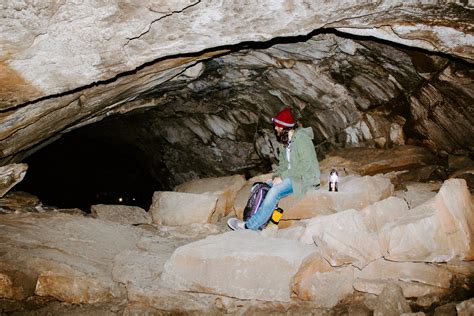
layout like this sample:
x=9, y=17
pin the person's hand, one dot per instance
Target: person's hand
x=277, y=180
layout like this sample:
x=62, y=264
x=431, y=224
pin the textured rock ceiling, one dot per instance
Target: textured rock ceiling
x=196, y=81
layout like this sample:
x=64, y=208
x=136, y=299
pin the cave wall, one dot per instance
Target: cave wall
x=201, y=79
x=351, y=91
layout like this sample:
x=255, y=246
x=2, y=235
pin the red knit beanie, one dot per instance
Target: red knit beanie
x=284, y=119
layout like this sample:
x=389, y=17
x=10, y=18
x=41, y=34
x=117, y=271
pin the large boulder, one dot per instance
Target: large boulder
x=416, y=279
x=124, y=214
x=355, y=192
x=317, y=281
x=239, y=264
x=376, y=215
x=62, y=256
x=224, y=188
x=391, y=302
x=417, y=193
x=343, y=239
x=177, y=208
x=438, y=230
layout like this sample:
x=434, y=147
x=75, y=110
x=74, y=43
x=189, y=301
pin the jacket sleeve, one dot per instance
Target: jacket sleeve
x=282, y=163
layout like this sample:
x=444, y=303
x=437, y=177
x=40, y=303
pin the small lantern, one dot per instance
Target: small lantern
x=333, y=180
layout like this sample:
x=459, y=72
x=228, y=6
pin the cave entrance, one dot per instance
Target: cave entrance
x=84, y=168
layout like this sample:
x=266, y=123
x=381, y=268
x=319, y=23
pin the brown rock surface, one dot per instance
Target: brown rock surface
x=66, y=257
x=178, y=208
x=438, y=230
x=322, y=284
x=225, y=188
x=124, y=214
x=343, y=239
x=370, y=161
x=416, y=279
x=11, y=175
x=238, y=264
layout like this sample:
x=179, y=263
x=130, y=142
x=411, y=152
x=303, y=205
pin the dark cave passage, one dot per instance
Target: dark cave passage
x=81, y=170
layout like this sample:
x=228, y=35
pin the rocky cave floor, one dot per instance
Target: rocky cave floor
x=51, y=235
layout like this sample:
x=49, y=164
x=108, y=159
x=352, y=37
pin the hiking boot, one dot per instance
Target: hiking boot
x=236, y=224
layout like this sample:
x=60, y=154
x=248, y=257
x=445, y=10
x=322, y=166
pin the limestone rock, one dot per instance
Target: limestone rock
x=465, y=308
x=127, y=36
x=294, y=232
x=138, y=267
x=124, y=214
x=225, y=188
x=466, y=174
x=171, y=301
x=354, y=192
x=370, y=161
x=243, y=194
x=439, y=230
x=16, y=283
x=20, y=202
x=74, y=288
x=238, y=264
x=376, y=215
x=343, y=238
x=66, y=257
x=391, y=302
x=11, y=175
x=417, y=193
x=177, y=208
x=415, y=278
x=322, y=284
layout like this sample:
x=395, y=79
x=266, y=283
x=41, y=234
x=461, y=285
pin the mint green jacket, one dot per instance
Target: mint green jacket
x=304, y=163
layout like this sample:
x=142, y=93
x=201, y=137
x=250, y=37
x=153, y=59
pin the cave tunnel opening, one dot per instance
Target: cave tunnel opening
x=82, y=169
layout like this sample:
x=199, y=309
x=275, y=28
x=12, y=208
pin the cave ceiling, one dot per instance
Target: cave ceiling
x=194, y=84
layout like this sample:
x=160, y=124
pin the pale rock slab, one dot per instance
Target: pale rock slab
x=138, y=267
x=10, y=175
x=376, y=215
x=169, y=300
x=370, y=161
x=416, y=279
x=354, y=192
x=177, y=208
x=123, y=214
x=343, y=238
x=243, y=194
x=294, y=232
x=410, y=289
x=465, y=308
x=418, y=193
x=225, y=188
x=391, y=302
x=317, y=281
x=64, y=256
x=457, y=266
x=76, y=288
x=438, y=230
x=239, y=264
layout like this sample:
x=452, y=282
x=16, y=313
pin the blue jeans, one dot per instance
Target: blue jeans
x=265, y=211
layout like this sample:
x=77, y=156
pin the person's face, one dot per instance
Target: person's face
x=278, y=129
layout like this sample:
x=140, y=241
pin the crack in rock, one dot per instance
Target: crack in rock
x=159, y=19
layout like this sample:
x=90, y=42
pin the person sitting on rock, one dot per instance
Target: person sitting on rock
x=297, y=170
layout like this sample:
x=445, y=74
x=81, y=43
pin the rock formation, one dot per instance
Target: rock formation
x=187, y=89
x=201, y=79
